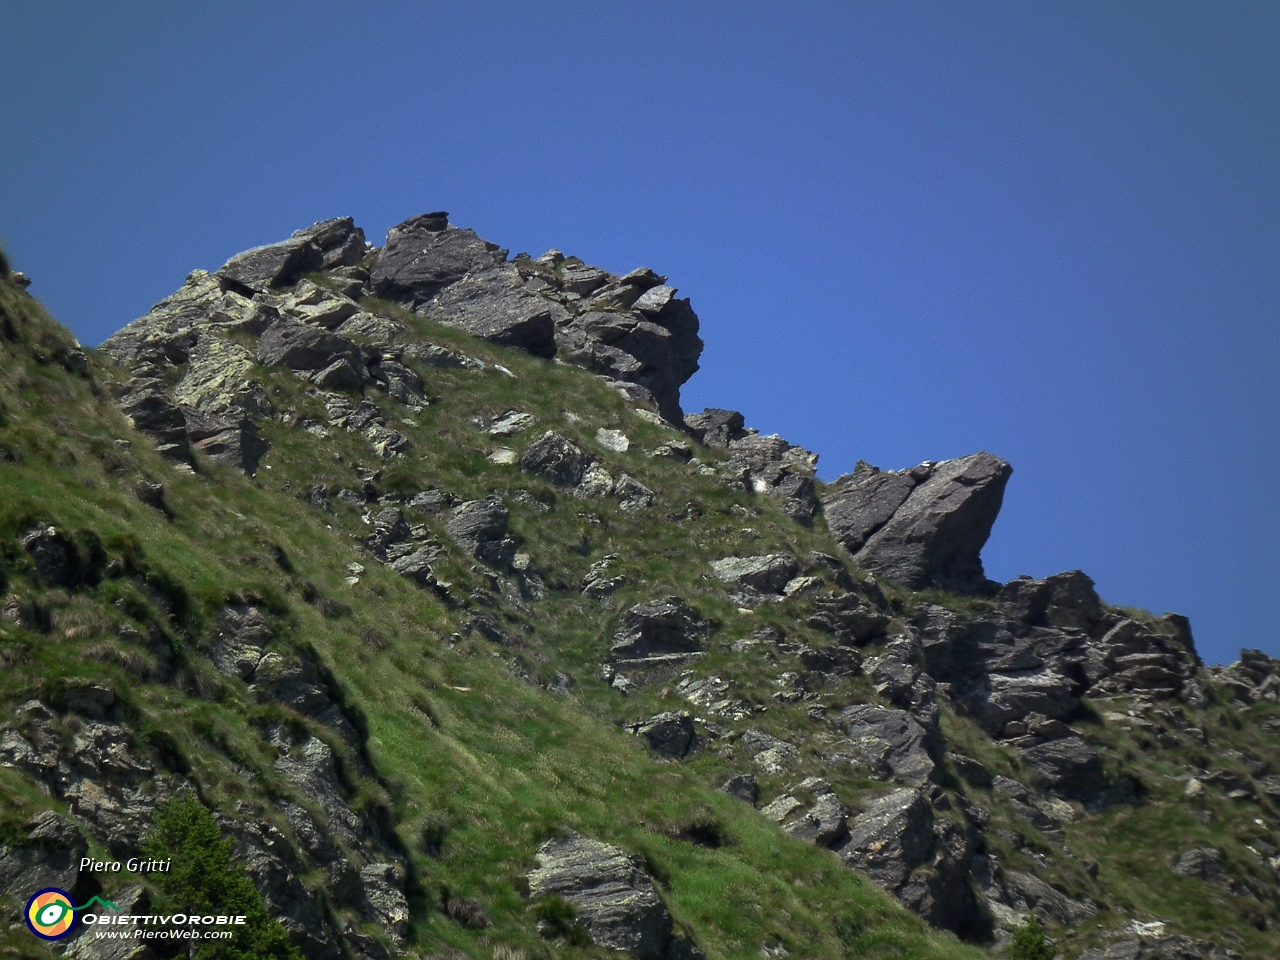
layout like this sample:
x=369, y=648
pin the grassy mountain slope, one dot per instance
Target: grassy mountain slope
x=482, y=723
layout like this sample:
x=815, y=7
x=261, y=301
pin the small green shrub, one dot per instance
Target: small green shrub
x=557, y=918
x=1030, y=942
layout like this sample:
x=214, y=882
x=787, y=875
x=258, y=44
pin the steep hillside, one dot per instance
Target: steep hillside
x=408, y=566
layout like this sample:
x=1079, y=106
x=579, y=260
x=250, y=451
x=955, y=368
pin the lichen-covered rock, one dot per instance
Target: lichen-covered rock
x=756, y=579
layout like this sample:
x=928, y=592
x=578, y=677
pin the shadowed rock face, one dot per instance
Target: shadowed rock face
x=923, y=527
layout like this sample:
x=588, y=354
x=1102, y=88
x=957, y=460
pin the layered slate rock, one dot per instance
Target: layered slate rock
x=451, y=275
x=923, y=527
x=892, y=743
x=327, y=244
x=480, y=528
x=629, y=329
x=664, y=626
x=890, y=838
x=760, y=464
x=612, y=897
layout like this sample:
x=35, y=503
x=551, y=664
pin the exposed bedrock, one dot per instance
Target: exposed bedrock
x=923, y=527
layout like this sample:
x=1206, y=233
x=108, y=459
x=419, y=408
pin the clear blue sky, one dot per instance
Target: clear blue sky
x=912, y=230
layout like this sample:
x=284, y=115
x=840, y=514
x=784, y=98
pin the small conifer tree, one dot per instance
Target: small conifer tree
x=203, y=879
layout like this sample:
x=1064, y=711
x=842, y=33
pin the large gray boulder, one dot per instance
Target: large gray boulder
x=923, y=527
x=890, y=838
x=715, y=427
x=1069, y=767
x=668, y=625
x=613, y=898
x=452, y=276
x=322, y=246
x=480, y=528
x=300, y=346
x=890, y=742
x=670, y=734
x=753, y=580
x=275, y=265
x=424, y=255
x=557, y=459
x=496, y=305
x=656, y=348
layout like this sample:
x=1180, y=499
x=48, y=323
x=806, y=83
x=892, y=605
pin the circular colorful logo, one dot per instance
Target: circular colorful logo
x=51, y=914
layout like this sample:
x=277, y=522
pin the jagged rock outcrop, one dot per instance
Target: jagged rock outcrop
x=328, y=244
x=614, y=899
x=668, y=625
x=670, y=734
x=480, y=528
x=890, y=743
x=923, y=527
x=48, y=856
x=628, y=329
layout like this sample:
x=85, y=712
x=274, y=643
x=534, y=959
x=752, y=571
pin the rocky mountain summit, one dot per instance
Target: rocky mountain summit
x=408, y=565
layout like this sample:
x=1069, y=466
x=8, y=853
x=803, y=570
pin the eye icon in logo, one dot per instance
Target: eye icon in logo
x=51, y=914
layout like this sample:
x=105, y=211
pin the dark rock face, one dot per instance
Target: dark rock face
x=275, y=265
x=49, y=858
x=496, y=306
x=424, y=255
x=744, y=787
x=662, y=626
x=771, y=465
x=612, y=896
x=158, y=417
x=715, y=427
x=891, y=838
x=480, y=528
x=923, y=527
x=671, y=735
x=299, y=346
x=453, y=276
x=891, y=742
x=1069, y=767
x=1029, y=894
x=559, y=460
x=330, y=243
